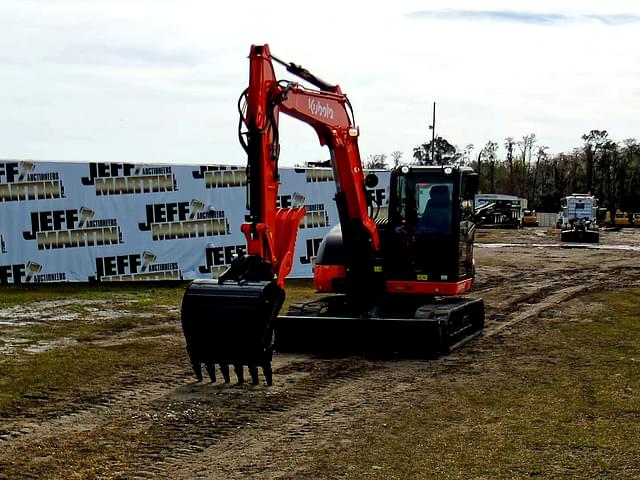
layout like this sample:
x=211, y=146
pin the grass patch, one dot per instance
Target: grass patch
x=492, y=235
x=298, y=290
x=133, y=297
x=159, y=330
x=76, y=368
x=499, y=235
x=562, y=402
x=74, y=372
x=138, y=295
x=86, y=331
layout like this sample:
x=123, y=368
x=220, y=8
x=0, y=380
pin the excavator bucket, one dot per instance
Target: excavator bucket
x=231, y=324
x=425, y=332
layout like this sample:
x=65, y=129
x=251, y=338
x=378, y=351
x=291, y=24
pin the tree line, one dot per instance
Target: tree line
x=601, y=166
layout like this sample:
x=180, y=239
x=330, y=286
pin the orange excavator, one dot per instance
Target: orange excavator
x=394, y=285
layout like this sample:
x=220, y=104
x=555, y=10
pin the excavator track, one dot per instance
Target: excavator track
x=424, y=332
x=459, y=320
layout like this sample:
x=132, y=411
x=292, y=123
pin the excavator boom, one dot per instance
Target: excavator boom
x=244, y=301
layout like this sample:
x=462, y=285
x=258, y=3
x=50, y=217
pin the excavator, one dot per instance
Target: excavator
x=393, y=285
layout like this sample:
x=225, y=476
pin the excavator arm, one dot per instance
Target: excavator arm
x=229, y=321
x=271, y=232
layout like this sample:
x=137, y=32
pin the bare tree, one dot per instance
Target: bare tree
x=509, y=142
x=489, y=154
x=467, y=154
x=376, y=161
x=609, y=164
x=541, y=155
x=526, y=146
x=629, y=174
x=396, y=155
x=593, y=143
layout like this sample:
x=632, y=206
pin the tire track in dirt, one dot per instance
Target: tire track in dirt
x=71, y=417
x=178, y=422
x=210, y=415
x=295, y=430
x=532, y=298
x=322, y=420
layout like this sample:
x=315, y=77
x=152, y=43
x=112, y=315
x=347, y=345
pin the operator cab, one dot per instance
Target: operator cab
x=430, y=232
x=427, y=240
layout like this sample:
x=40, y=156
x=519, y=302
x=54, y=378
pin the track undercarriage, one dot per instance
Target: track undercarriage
x=395, y=327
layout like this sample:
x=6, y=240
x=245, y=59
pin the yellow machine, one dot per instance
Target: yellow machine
x=529, y=218
x=622, y=219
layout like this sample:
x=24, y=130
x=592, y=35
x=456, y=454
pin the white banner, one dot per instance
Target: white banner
x=80, y=222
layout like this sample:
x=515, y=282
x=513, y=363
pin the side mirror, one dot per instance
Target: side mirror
x=371, y=180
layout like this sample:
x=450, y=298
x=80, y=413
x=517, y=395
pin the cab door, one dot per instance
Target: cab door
x=468, y=187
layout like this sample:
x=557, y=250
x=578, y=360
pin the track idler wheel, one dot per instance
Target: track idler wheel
x=231, y=324
x=455, y=321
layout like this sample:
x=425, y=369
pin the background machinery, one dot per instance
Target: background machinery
x=577, y=219
x=392, y=284
x=494, y=210
x=529, y=218
x=620, y=219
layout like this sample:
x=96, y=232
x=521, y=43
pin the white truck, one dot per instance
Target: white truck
x=577, y=219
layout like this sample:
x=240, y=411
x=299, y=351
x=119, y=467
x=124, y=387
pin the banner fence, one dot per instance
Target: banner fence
x=79, y=222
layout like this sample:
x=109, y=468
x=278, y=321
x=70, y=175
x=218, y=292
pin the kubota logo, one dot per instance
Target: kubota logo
x=321, y=110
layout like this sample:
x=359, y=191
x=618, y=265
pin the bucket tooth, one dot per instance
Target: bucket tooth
x=268, y=374
x=253, y=373
x=197, y=369
x=211, y=370
x=224, y=369
x=239, y=370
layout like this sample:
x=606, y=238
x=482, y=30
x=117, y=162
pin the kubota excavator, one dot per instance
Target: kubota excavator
x=393, y=284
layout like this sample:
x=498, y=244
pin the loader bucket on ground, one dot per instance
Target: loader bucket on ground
x=231, y=324
x=431, y=331
x=580, y=236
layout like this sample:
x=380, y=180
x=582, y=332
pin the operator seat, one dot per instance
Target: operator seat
x=437, y=214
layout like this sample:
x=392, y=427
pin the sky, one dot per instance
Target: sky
x=157, y=81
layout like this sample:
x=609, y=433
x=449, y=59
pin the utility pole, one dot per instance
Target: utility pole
x=432, y=127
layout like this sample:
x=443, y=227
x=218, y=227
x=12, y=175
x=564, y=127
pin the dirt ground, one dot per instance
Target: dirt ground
x=156, y=423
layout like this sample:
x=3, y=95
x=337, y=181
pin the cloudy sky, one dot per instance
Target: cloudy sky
x=158, y=80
